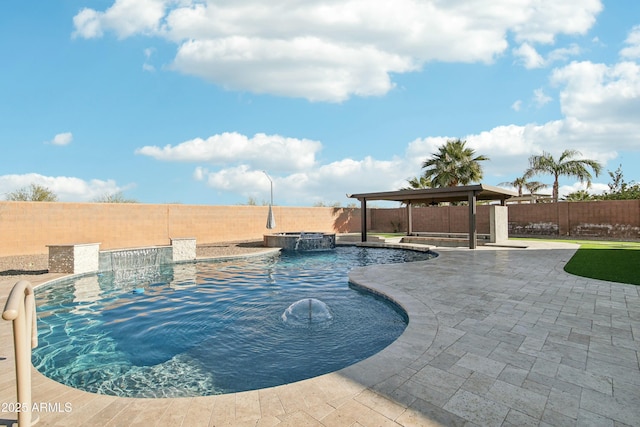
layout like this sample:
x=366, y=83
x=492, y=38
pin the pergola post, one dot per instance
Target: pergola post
x=409, y=219
x=363, y=219
x=473, y=234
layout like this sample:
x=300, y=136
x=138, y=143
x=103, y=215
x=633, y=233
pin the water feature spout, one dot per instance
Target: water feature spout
x=301, y=241
x=135, y=264
x=306, y=312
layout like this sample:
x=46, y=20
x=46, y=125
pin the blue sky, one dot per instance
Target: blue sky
x=190, y=101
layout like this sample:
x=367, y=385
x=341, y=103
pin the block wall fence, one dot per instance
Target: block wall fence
x=612, y=219
x=28, y=227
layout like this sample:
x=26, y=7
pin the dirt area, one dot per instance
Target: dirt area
x=24, y=267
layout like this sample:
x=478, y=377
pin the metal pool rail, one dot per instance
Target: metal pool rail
x=21, y=309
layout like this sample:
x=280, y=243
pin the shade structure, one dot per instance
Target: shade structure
x=468, y=193
x=271, y=220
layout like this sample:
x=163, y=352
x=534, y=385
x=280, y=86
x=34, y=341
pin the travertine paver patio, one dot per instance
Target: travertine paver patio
x=496, y=337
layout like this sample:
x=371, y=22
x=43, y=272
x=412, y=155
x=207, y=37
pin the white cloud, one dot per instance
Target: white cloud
x=331, y=72
x=327, y=183
x=240, y=179
x=66, y=188
x=124, y=17
x=530, y=58
x=508, y=147
x=328, y=50
x=517, y=106
x=543, y=20
x=87, y=24
x=632, y=51
x=540, y=98
x=148, y=52
x=596, y=188
x=62, y=139
x=563, y=54
x=600, y=104
x=271, y=152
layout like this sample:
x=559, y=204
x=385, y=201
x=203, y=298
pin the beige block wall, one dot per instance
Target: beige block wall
x=27, y=227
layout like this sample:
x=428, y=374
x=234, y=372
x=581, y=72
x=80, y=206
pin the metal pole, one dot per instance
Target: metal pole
x=363, y=219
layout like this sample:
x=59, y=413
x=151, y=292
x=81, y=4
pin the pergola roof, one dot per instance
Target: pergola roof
x=445, y=194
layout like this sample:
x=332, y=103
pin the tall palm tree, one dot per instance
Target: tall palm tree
x=453, y=164
x=566, y=165
x=523, y=182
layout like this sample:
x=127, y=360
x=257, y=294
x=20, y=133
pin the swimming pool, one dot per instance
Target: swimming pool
x=215, y=327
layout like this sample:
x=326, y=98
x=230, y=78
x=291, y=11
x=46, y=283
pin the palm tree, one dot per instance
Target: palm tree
x=578, y=196
x=417, y=183
x=566, y=165
x=453, y=164
x=523, y=182
x=534, y=186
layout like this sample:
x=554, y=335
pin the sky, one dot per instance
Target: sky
x=209, y=102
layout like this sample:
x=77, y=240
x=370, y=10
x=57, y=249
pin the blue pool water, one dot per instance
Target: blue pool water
x=216, y=327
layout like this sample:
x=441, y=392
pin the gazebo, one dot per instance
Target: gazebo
x=468, y=193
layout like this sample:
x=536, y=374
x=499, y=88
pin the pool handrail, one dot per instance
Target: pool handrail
x=21, y=310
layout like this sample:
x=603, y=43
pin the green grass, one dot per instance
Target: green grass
x=605, y=260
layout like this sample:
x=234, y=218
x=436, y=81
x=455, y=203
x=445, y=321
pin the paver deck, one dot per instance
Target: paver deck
x=496, y=337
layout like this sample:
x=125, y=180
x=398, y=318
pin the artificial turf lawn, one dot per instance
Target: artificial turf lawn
x=606, y=260
x=613, y=261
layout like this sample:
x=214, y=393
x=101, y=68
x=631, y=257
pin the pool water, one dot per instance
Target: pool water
x=215, y=327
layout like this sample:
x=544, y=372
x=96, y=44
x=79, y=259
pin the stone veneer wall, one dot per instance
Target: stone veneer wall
x=78, y=259
x=184, y=249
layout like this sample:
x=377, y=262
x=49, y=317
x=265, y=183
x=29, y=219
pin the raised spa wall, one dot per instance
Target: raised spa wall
x=84, y=258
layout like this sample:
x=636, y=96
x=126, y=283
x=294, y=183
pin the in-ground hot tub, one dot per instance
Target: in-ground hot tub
x=301, y=241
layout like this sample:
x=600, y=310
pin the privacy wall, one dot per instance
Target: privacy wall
x=27, y=227
x=613, y=219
